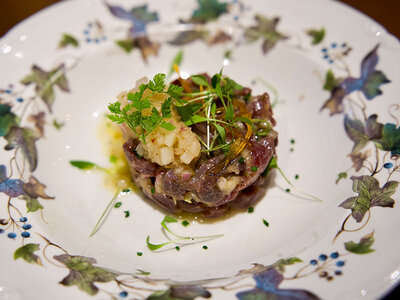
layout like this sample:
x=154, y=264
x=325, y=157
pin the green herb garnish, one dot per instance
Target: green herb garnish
x=118, y=204
x=254, y=169
x=265, y=223
x=164, y=222
x=127, y=213
x=136, y=113
x=185, y=223
x=205, y=247
x=250, y=209
x=87, y=165
x=58, y=125
x=139, y=253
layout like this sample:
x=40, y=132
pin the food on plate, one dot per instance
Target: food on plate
x=199, y=145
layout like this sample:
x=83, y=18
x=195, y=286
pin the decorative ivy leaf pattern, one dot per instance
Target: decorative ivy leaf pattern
x=368, y=83
x=138, y=16
x=267, y=287
x=181, y=292
x=11, y=187
x=265, y=29
x=369, y=195
x=208, y=10
x=7, y=119
x=32, y=204
x=26, y=252
x=35, y=189
x=83, y=274
x=187, y=37
x=361, y=133
x=390, y=140
x=44, y=82
x=330, y=81
x=39, y=121
x=363, y=247
x=25, y=139
x=317, y=35
x=280, y=264
x=66, y=40
x=358, y=159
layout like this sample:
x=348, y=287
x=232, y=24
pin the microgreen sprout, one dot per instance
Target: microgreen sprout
x=87, y=165
x=177, y=238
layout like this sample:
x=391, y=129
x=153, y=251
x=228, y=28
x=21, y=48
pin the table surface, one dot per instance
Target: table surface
x=385, y=12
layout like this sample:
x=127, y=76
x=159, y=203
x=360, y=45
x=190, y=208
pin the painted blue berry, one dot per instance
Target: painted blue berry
x=324, y=50
x=89, y=24
x=326, y=56
x=388, y=165
x=330, y=61
x=338, y=272
x=27, y=226
x=20, y=99
x=313, y=262
x=8, y=91
x=25, y=234
x=123, y=294
x=88, y=40
x=322, y=257
x=236, y=18
x=333, y=45
x=340, y=263
x=86, y=32
x=12, y=235
x=23, y=219
x=97, y=41
x=1, y=231
x=334, y=255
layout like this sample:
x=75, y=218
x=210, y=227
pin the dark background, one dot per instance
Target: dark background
x=385, y=12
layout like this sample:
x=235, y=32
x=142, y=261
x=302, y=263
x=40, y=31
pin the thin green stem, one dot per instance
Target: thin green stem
x=98, y=224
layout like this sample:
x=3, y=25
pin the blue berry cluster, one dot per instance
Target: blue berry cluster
x=123, y=294
x=93, y=33
x=338, y=263
x=334, y=50
x=26, y=226
x=388, y=165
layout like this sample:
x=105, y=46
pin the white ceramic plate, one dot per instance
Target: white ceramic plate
x=288, y=51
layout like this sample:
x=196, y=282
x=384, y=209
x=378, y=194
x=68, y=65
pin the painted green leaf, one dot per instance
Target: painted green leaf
x=127, y=44
x=44, y=82
x=363, y=247
x=390, y=140
x=208, y=10
x=181, y=292
x=330, y=81
x=281, y=263
x=7, y=119
x=32, y=204
x=187, y=37
x=26, y=252
x=361, y=133
x=341, y=175
x=265, y=29
x=83, y=274
x=372, y=84
x=25, y=139
x=317, y=35
x=66, y=40
x=142, y=13
x=369, y=195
